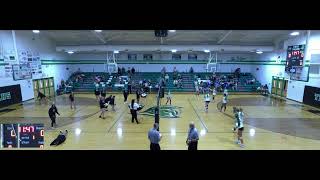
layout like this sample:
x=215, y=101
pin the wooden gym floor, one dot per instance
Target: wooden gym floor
x=269, y=123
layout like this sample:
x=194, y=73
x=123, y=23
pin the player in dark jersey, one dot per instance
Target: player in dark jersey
x=103, y=107
x=71, y=98
x=113, y=102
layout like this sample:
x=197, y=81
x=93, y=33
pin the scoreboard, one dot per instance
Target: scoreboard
x=22, y=135
x=295, y=55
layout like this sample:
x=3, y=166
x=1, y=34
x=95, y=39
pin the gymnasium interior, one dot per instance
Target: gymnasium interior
x=273, y=75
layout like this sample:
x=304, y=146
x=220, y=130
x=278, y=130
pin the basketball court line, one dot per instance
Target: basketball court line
x=199, y=118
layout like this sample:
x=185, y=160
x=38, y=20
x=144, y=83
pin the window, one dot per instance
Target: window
x=176, y=56
x=147, y=57
x=132, y=56
x=192, y=57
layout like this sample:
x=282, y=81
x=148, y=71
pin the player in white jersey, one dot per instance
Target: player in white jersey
x=196, y=85
x=207, y=101
x=214, y=93
x=225, y=91
x=240, y=127
x=97, y=91
x=169, y=96
x=224, y=103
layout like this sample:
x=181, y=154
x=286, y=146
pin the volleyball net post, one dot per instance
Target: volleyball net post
x=157, y=109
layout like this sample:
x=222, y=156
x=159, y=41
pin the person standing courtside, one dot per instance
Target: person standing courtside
x=155, y=137
x=71, y=98
x=193, y=138
x=133, y=110
x=52, y=114
x=125, y=93
x=138, y=94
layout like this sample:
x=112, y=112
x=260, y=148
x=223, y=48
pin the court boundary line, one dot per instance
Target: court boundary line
x=199, y=118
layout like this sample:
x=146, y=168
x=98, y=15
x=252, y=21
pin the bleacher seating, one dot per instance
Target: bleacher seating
x=87, y=83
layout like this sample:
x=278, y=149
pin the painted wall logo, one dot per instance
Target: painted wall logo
x=316, y=97
x=5, y=96
x=165, y=111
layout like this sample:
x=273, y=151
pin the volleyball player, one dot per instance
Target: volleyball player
x=103, y=107
x=96, y=91
x=133, y=110
x=112, y=102
x=224, y=103
x=225, y=91
x=240, y=127
x=125, y=93
x=103, y=90
x=235, y=116
x=169, y=96
x=138, y=94
x=214, y=93
x=197, y=87
x=207, y=101
x=71, y=98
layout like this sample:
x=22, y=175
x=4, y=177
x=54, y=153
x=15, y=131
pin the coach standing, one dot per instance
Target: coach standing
x=193, y=138
x=52, y=114
x=154, y=137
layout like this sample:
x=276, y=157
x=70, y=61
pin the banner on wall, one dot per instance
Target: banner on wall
x=9, y=59
x=10, y=95
x=311, y=96
x=33, y=59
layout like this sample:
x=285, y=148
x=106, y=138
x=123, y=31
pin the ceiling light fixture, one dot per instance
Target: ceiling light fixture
x=98, y=31
x=206, y=51
x=36, y=31
x=172, y=31
x=259, y=52
x=116, y=51
x=70, y=52
x=296, y=33
x=173, y=50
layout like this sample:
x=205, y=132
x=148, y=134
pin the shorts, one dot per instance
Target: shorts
x=103, y=94
x=207, y=101
x=241, y=129
x=96, y=93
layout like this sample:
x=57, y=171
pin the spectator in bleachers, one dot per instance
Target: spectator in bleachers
x=167, y=78
x=133, y=70
x=175, y=69
x=119, y=71
x=237, y=73
x=123, y=70
x=175, y=83
x=129, y=71
x=163, y=71
x=180, y=83
x=191, y=70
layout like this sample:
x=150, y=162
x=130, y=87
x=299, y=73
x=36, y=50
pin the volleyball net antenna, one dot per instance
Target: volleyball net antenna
x=157, y=109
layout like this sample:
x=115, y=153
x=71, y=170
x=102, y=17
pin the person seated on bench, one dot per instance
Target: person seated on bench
x=60, y=139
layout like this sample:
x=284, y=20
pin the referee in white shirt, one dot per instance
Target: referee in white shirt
x=155, y=137
x=133, y=110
